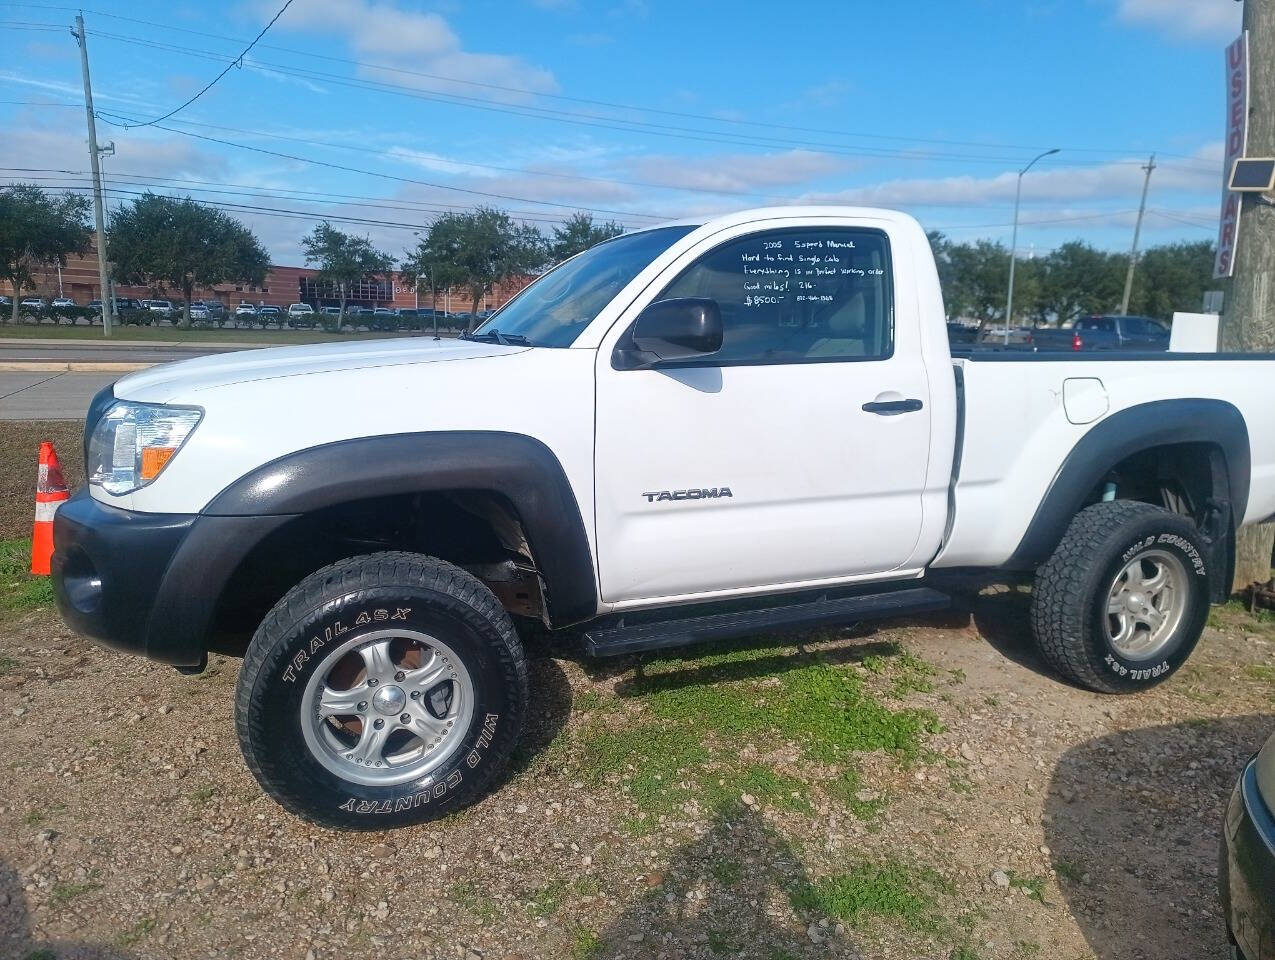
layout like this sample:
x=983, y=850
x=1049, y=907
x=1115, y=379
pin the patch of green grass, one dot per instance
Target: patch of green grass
x=848, y=787
x=1260, y=671
x=587, y=945
x=661, y=759
x=1034, y=886
x=66, y=892
x=763, y=783
x=956, y=676
x=587, y=700
x=823, y=706
x=585, y=887
x=136, y=932
x=727, y=872
x=7, y=665
x=1027, y=948
x=44, y=953
x=201, y=795
x=546, y=901
x=718, y=942
x=1068, y=870
x=18, y=589
x=465, y=894
x=961, y=785
x=887, y=891
x=964, y=952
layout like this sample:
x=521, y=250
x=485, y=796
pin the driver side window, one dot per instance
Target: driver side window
x=804, y=295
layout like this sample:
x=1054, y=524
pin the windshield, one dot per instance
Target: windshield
x=554, y=310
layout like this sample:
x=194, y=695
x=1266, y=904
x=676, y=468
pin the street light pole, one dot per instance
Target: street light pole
x=1013, y=244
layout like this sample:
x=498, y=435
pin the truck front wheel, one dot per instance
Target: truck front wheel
x=1123, y=600
x=383, y=690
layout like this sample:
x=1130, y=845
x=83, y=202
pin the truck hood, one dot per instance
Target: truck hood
x=163, y=383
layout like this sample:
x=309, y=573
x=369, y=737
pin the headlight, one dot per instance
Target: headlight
x=132, y=443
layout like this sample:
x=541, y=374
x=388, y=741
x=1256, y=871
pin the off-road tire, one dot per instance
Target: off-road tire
x=1069, y=599
x=439, y=599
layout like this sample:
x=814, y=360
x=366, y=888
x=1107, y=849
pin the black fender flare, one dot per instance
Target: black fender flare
x=1132, y=430
x=517, y=467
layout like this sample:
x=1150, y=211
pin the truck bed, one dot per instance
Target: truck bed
x=1022, y=414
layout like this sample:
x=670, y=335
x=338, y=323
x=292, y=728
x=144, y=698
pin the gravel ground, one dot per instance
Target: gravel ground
x=922, y=789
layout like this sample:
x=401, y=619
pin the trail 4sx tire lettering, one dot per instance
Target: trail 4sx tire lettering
x=381, y=691
x=1122, y=601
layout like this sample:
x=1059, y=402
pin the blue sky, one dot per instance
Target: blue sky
x=639, y=110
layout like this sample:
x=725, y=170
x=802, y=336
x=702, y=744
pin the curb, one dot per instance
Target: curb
x=73, y=366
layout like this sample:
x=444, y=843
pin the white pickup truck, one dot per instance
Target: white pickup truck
x=695, y=431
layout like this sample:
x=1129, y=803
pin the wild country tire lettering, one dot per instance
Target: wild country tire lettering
x=433, y=791
x=338, y=629
x=1172, y=540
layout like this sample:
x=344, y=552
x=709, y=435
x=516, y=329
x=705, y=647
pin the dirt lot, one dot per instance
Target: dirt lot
x=917, y=789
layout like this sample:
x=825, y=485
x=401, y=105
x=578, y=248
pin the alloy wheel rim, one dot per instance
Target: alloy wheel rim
x=387, y=707
x=1145, y=604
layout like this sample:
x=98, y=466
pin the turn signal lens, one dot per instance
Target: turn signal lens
x=153, y=460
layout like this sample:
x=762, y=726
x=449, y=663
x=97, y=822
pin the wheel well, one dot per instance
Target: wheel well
x=1182, y=478
x=476, y=530
x=1189, y=479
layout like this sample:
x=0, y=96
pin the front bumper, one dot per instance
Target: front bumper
x=147, y=583
x=1247, y=870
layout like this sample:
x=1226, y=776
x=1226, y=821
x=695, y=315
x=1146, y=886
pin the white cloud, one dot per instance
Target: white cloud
x=1187, y=19
x=1061, y=184
x=739, y=173
x=412, y=40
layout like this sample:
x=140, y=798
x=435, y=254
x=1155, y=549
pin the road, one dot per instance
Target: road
x=58, y=395
x=74, y=351
x=49, y=396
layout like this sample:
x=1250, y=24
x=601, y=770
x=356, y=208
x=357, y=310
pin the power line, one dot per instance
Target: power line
x=209, y=85
x=385, y=176
x=521, y=91
x=595, y=120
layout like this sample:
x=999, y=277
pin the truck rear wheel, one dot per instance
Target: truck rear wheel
x=1123, y=600
x=381, y=691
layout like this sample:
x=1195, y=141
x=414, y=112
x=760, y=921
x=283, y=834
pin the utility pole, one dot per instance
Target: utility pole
x=108, y=305
x=1137, y=231
x=1248, y=318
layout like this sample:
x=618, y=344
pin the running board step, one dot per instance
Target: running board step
x=618, y=639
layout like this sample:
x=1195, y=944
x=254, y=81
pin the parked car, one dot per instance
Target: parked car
x=246, y=309
x=163, y=308
x=1246, y=872
x=301, y=315
x=62, y=302
x=271, y=313
x=1108, y=332
x=199, y=311
x=5, y=301
x=370, y=561
x=34, y=304
x=330, y=311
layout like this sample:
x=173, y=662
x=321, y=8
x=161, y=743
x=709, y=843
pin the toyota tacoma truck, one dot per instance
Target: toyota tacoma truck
x=691, y=432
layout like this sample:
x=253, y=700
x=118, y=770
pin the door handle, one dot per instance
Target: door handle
x=890, y=408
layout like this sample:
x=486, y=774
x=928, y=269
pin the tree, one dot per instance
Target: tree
x=1171, y=278
x=578, y=233
x=486, y=247
x=431, y=261
x=170, y=242
x=344, y=260
x=38, y=230
x=1080, y=280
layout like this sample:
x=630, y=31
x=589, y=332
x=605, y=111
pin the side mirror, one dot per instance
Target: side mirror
x=679, y=329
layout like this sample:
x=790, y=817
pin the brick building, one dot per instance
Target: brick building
x=282, y=286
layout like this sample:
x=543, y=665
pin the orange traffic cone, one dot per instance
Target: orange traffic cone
x=50, y=491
